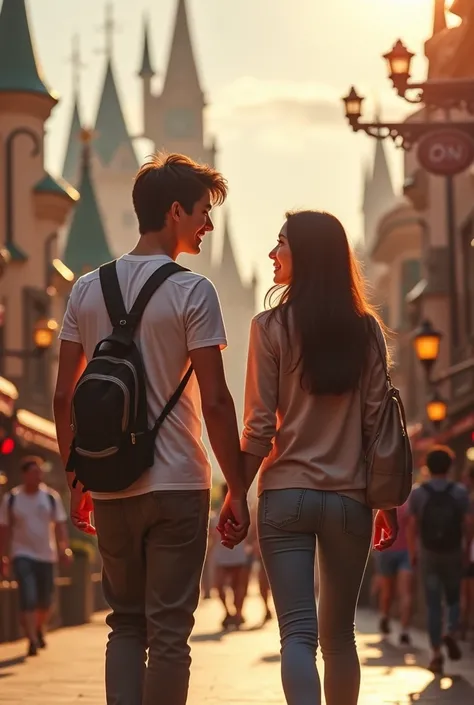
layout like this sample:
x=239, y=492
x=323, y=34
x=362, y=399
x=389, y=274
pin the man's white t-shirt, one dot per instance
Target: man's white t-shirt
x=183, y=314
x=33, y=518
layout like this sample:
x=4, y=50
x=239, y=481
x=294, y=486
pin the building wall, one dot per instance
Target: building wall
x=22, y=287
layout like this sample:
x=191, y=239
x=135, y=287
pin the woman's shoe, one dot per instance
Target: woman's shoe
x=436, y=665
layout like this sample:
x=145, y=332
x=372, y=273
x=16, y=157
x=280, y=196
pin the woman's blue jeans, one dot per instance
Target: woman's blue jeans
x=292, y=523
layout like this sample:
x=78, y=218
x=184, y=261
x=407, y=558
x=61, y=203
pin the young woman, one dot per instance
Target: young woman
x=315, y=380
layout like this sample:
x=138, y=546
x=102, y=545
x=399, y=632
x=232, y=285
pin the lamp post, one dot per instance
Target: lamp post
x=426, y=341
x=445, y=147
x=9, y=176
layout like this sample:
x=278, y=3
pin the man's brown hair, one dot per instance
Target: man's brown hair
x=28, y=461
x=166, y=178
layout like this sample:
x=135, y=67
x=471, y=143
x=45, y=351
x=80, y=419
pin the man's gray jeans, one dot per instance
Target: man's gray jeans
x=153, y=548
x=291, y=524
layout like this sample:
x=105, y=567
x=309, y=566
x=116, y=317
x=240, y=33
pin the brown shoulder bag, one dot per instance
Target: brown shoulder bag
x=388, y=457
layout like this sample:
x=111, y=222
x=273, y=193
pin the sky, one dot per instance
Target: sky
x=273, y=71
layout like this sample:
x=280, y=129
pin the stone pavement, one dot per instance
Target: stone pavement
x=238, y=668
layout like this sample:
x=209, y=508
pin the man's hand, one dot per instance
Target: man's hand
x=385, y=529
x=234, y=521
x=81, y=510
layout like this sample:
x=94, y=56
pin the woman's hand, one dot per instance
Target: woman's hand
x=385, y=529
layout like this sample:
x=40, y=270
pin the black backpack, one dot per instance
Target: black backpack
x=441, y=527
x=113, y=445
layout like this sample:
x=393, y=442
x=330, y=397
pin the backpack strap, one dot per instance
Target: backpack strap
x=122, y=321
x=111, y=292
x=171, y=403
x=159, y=276
x=10, y=503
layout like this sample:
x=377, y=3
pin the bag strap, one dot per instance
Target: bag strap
x=113, y=298
x=111, y=292
x=380, y=348
x=171, y=403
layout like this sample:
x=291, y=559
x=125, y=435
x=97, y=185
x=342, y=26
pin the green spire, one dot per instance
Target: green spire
x=73, y=150
x=19, y=69
x=111, y=128
x=86, y=247
x=72, y=157
x=146, y=70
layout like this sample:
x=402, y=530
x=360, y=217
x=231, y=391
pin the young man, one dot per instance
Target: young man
x=152, y=536
x=32, y=532
x=440, y=525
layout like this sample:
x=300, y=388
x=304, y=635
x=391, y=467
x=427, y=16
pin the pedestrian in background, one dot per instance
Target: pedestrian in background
x=439, y=537
x=395, y=580
x=316, y=379
x=467, y=587
x=33, y=536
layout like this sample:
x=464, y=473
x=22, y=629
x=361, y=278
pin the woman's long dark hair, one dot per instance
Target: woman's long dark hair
x=326, y=303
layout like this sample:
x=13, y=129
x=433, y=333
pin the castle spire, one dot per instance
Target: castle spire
x=86, y=246
x=111, y=127
x=181, y=64
x=439, y=18
x=228, y=266
x=146, y=70
x=73, y=150
x=19, y=68
x=381, y=182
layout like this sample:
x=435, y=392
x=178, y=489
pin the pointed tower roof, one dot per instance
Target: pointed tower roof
x=86, y=247
x=111, y=127
x=439, y=18
x=72, y=156
x=181, y=62
x=146, y=70
x=381, y=178
x=228, y=266
x=19, y=68
x=73, y=149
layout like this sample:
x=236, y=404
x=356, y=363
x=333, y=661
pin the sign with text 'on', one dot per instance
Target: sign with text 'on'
x=446, y=152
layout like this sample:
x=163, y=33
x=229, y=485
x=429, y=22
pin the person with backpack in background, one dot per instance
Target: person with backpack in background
x=439, y=528
x=33, y=534
x=140, y=361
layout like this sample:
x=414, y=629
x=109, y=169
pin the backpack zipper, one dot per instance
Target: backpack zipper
x=97, y=454
x=116, y=361
x=115, y=380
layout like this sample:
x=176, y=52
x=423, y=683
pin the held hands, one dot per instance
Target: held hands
x=234, y=521
x=385, y=529
x=81, y=510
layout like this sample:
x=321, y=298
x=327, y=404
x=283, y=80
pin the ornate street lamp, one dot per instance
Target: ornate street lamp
x=426, y=341
x=353, y=106
x=399, y=63
x=436, y=409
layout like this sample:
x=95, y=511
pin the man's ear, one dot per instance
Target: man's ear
x=175, y=211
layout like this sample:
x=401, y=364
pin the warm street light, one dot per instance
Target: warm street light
x=44, y=333
x=426, y=341
x=353, y=105
x=399, y=63
x=436, y=409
